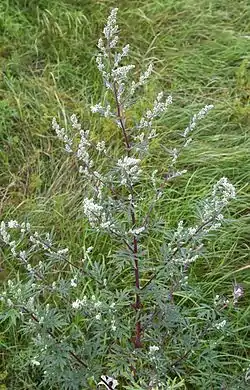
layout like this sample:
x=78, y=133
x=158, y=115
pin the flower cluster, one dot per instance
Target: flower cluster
x=175, y=153
x=79, y=303
x=197, y=117
x=82, y=146
x=104, y=111
x=159, y=108
x=142, y=81
x=144, y=130
x=111, y=29
x=97, y=310
x=220, y=325
x=62, y=135
x=223, y=191
x=186, y=243
x=34, y=241
x=96, y=215
x=114, y=76
x=137, y=231
x=129, y=170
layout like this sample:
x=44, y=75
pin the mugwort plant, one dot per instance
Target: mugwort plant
x=133, y=320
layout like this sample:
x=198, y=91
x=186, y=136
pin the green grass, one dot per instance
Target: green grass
x=201, y=52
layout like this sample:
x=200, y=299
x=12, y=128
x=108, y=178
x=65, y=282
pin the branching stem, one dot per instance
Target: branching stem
x=137, y=305
x=177, y=249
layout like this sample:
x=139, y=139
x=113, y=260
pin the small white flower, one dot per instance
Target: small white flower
x=73, y=282
x=23, y=256
x=153, y=349
x=100, y=146
x=186, y=260
x=159, y=106
x=89, y=249
x=9, y=302
x=97, y=108
x=220, y=325
x=140, y=137
x=92, y=210
x=77, y=304
x=142, y=81
x=63, y=251
x=225, y=188
x=192, y=231
x=172, y=175
x=119, y=56
x=137, y=231
x=13, y=224
x=98, y=316
x=10, y=283
x=106, y=224
x=152, y=134
x=113, y=326
x=223, y=191
x=35, y=362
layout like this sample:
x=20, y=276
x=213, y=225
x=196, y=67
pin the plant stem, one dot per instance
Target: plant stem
x=121, y=120
x=137, y=305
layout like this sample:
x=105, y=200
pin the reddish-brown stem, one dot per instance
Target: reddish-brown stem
x=137, y=305
x=121, y=120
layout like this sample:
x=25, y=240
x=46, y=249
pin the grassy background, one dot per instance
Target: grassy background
x=201, y=53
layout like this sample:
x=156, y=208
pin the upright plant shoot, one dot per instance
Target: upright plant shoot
x=117, y=322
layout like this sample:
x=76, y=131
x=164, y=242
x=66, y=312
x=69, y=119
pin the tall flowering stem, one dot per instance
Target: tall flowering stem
x=137, y=305
x=122, y=120
x=136, y=140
